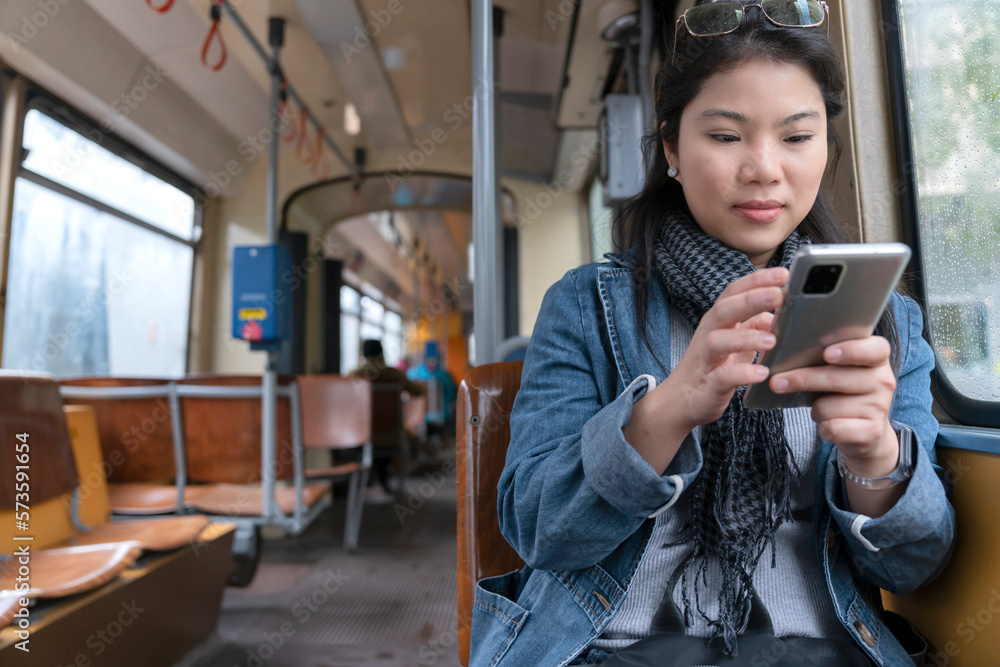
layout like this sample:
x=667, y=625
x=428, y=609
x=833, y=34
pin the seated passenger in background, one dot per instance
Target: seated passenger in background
x=648, y=502
x=374, y=369
x=442, y=413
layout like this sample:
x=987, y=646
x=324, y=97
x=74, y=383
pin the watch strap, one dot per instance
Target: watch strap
x=903, y=471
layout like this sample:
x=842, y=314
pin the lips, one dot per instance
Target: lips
x=760, y=210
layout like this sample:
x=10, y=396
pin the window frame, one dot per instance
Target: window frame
x=38, y=99
x=957, y=405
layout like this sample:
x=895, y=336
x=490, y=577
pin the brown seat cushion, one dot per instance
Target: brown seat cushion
x=242, y=500
x=329, y=472
x=150, y=498
x=57, y=573
x=159, y=534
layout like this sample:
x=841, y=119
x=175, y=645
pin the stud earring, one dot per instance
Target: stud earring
x=672, y=172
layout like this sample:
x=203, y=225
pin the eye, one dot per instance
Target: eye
x=799, y=138
x=725, y=138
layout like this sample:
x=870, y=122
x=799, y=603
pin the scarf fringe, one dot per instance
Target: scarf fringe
x=743, y=493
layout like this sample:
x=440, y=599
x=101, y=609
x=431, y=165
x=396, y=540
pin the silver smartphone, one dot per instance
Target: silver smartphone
x=834, y=293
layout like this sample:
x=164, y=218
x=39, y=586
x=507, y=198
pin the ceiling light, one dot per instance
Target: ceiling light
x=352, y=122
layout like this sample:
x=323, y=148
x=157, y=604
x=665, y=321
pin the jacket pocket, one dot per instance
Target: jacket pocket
x=496, y=619
x=914, y=644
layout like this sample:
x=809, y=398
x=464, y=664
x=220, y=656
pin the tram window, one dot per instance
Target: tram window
x=350, y=336
x=392, y=339
x=600, y=222
x=949, y=55
x=90, y=291
x=68, y=158
x=371, y=318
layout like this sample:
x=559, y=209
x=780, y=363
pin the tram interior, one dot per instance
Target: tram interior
x=207, y=490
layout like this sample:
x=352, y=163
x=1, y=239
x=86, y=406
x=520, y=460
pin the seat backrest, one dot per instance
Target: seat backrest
x=33, y=433
x=415, y=415
x=222, y=435
x=485, y=399
x=136, y=433
x=336, y=411
x=954, y=612
x=387, y=414
x=35, y=441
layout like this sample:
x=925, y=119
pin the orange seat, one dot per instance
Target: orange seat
x=145, y=499
x=389, y=438
x=487, y=393
x=68, y=496
x=222, y=435
x=137, y=441
x=337, y=416
x=57, y=573
x=415, y=416
x=236, y=500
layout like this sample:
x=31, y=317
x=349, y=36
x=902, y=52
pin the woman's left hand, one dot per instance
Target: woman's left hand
x=854, y=414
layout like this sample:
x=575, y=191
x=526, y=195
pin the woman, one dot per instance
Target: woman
x=636, y=484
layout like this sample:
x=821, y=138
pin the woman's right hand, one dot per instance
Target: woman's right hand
x=718, y=360
x=720, y=356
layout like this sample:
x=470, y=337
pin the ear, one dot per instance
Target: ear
x=670, y=152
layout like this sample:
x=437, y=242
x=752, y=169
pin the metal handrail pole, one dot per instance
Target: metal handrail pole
x=272, y=65
x=486, y=232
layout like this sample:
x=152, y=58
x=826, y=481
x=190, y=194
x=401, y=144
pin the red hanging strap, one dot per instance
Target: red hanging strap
x=283, y=117
x=320, y=166
x=301, y=144
x=213, y=33
x=162, y=9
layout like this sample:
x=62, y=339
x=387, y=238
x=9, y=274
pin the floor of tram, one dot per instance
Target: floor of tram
x=392, y=603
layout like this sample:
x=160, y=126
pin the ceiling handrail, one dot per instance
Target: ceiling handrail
x=289, y=89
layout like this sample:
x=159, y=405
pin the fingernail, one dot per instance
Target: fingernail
x=780, y=384
x=767, y=339
x=835, y=353
x=761, y=371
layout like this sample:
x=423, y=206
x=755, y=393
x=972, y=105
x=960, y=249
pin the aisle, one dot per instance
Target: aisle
x=392, y=603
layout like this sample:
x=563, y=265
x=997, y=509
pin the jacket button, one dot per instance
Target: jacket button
x=831, y=539
x=866, y=634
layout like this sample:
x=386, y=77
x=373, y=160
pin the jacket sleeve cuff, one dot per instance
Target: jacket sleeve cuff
x=921, y=502
x=619, y=474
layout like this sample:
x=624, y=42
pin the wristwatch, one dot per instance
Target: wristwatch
x=903, y=471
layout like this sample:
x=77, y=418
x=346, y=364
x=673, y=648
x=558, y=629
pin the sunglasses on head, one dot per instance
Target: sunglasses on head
x=720, y=18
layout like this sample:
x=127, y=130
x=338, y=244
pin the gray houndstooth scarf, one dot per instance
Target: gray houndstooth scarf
x=742, y=494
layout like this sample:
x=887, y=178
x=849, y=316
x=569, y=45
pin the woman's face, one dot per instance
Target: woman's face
x=750, y=154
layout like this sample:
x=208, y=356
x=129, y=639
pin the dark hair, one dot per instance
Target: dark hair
x=697, y=58
x=371, y=348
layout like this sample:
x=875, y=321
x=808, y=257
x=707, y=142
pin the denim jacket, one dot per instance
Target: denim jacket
x=576, y=500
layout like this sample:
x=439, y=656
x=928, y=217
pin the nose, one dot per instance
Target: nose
x=761, y=164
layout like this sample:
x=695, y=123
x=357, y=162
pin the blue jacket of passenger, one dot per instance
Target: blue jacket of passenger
x=575, y=498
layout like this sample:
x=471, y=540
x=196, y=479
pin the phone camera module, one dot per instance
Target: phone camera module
x=823, y=279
